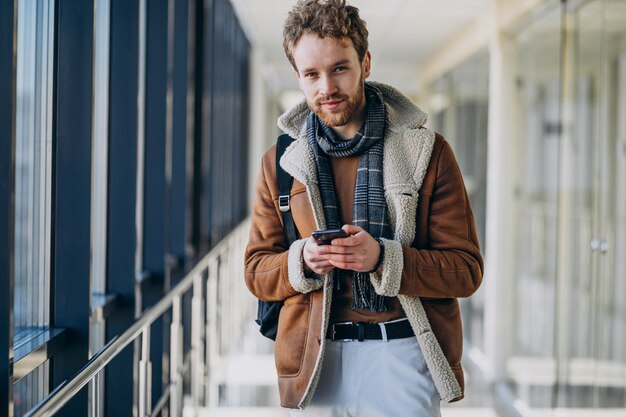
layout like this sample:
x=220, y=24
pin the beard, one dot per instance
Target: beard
x=337, y=118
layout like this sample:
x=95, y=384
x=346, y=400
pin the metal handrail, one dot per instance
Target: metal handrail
x=69, y=388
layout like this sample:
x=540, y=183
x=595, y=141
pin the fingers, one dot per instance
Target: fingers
x=349, y=257
x=358, y=263
x=359, y=252
x=336, y=249
x=352, y=229
x=321, y=269
x=321, y=259
x=350, y=266
x=315, y=260
x=357, y=236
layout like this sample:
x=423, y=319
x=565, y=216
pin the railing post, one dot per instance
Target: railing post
x=145, y=375
x=96, y=395
x=197, y=353
x=212, y=338
x=176, y=358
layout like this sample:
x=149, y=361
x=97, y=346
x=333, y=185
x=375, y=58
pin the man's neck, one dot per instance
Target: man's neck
x=345, y=132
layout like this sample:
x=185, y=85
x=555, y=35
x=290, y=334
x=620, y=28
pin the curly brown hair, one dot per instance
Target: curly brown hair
x=326, y=18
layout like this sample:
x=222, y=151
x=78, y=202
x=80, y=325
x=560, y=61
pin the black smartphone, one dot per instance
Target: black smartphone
x=324, y=237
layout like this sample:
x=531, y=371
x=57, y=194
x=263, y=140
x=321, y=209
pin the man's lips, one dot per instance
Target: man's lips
x=331, y=104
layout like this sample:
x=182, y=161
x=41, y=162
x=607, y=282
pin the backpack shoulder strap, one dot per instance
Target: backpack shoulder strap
x=285, y=182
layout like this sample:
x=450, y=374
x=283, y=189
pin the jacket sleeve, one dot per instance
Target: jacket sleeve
x=450, y=264
x=273, y=272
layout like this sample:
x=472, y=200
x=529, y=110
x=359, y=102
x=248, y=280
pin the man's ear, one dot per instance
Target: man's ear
x=366, y=65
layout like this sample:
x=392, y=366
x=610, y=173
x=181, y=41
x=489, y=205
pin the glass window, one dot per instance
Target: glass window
x=33, y=151
x=30, y=390
x=578, y=202
x=594, y=159
x=570, y=315
x=531, y=366
x=99, y=188
x=33, y=130
x=100, y=160
x=459, y=107
x=615, y=226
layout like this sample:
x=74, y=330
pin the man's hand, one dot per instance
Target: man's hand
x=359, y=252
x=315, y=259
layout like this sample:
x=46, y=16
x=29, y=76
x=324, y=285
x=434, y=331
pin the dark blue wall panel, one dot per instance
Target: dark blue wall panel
x=122, y=183
x=179, y=132
x=72, y=189
x=224, y=137
x=154, y=222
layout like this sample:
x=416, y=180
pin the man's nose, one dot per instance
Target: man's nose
x=327, y=86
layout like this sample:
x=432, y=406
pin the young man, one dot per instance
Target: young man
x=370, y=324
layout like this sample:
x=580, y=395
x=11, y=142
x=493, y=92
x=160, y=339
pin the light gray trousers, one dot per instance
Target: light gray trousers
x=373, y=378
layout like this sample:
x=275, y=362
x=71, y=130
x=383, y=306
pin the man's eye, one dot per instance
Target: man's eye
x=340, y=69
x=310, y=74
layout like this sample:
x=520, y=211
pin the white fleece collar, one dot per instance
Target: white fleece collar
x=401, y=113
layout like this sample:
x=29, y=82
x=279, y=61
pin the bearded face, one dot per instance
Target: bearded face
x=339, y=115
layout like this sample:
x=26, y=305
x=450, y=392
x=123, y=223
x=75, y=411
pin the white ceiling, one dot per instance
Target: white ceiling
x=402, y=33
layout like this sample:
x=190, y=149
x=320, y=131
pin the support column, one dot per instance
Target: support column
x=501, y=173
x=122, y=195
x=71, y=195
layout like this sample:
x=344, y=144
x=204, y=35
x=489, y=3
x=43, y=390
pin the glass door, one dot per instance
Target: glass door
x=531, y=367
x=591, y=275
x=460, y=105
x=570, y=285
x=580, y=153
x=610, y=343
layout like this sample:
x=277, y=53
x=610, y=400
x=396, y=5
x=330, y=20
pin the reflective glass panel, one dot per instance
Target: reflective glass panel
x=614, y=215
x=531, y=368
x=33, y=150
x=609, y=349
x=459, y=106
x=579, y=237
x=33, y=139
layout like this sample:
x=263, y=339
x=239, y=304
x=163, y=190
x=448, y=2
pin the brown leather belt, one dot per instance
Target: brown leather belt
x=370, y=331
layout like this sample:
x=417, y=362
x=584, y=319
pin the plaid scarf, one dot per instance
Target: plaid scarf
x=370, y=208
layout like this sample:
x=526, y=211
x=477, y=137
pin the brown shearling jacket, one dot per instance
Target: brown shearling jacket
x=433, y=259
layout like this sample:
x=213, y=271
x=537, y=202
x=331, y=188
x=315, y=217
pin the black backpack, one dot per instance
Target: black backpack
x=268, y=311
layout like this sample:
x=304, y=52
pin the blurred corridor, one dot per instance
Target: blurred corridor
x=131, y=134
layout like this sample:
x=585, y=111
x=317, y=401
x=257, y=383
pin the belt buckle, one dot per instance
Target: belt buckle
x=333, y=336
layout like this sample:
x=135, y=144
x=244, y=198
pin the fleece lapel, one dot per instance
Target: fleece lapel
x=299, y=163
x=405, y=161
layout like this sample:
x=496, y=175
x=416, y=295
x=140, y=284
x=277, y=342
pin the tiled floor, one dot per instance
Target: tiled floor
x=468, y=412
x=278, y=412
